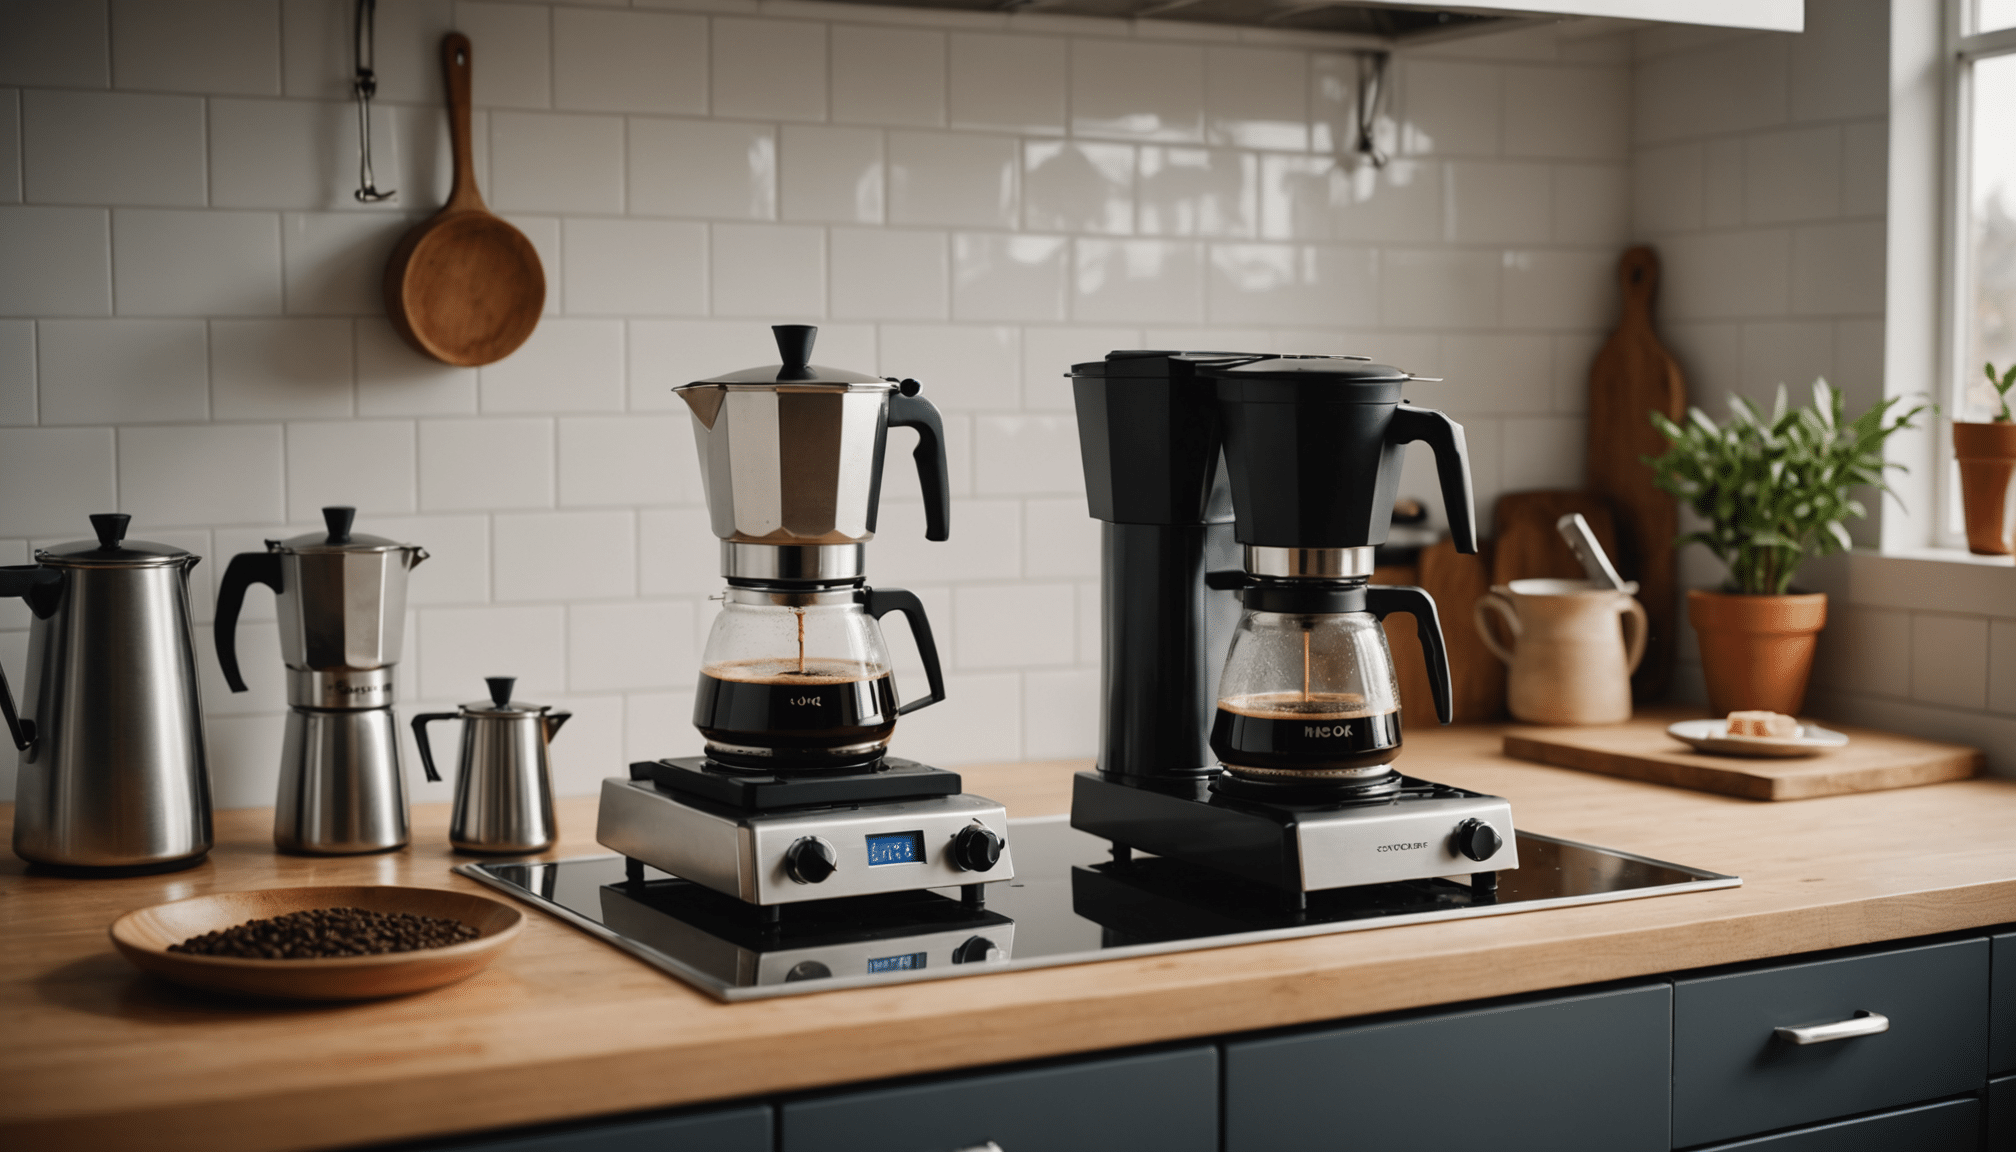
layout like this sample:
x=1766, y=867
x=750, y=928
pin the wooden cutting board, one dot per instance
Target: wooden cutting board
x=1456, y=582
x=1529, y=544
x=1641, y=750
x=1634, y=376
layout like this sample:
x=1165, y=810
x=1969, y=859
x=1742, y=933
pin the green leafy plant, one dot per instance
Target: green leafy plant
x=2001, y=386
x=1775, y=490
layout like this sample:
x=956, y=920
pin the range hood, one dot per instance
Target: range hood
x=1393, y=23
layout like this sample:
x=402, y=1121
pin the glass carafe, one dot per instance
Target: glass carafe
x=1308, y=695
x=800, y=679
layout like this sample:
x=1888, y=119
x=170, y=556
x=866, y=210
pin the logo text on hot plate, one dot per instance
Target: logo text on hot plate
x=1408, y=846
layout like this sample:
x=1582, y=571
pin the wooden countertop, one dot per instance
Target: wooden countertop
x=564, y=1026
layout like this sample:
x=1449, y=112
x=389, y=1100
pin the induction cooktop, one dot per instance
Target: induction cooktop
x=1070, y=903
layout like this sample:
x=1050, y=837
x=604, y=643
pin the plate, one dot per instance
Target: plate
x=1713, y=736
x=143, y=937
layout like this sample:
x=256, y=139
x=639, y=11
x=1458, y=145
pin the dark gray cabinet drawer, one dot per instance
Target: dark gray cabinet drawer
x=1949, y=1126
x=1565, y=1074
x=2001, y=1123
x=1159, y=1102
x=728, y=1130
x=1732, y=1078
x=2002, y=1001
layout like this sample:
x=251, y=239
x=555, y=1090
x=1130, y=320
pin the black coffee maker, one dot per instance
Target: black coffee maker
x=1284, y=774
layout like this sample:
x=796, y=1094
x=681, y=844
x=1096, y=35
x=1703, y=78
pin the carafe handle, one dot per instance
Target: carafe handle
x=1452, y=466
x=880, y=602
x=420, y=723
x=1382, y=600
x=21, y=580
x=909, y=410
x=245, y=570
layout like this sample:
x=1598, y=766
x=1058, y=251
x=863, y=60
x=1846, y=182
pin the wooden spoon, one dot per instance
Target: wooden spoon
x=464, y=286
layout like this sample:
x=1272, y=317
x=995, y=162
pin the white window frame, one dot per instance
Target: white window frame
x=1962, y=48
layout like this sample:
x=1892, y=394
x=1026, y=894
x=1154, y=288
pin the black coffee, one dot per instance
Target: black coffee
x=1325, y=731
x=820, y=717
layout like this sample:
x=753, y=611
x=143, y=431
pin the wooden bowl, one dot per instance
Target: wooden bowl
x=143, y=937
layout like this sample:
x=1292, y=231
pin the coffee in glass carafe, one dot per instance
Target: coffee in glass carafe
x=1308, y=695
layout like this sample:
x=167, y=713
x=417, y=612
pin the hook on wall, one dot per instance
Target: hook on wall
x=366, y=86
x=1371, y=89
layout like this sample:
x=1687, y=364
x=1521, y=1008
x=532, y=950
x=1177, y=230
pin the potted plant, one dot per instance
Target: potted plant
x=1987, y=456
x=1773, y=491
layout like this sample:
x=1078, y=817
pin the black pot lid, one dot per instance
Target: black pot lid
x=500, y=702
x=794, y=347
x=336, y=536
x=1309, y=379
x=112, y=549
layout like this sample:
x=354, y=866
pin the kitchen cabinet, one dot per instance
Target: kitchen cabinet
x=1948, y=1126
x=745, y=1129
x=2001, y=1122
x=2002, y=1004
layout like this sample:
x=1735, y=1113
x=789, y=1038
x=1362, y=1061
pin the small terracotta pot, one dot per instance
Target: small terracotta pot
x=1987, y=455
x=1756, y=651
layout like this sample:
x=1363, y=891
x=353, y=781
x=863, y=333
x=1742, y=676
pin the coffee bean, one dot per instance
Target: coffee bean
x=322, y=933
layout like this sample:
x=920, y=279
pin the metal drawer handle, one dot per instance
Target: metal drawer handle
x=1863, y=1023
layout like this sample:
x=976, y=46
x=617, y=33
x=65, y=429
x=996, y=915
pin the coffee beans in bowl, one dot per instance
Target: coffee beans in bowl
x=327, y=943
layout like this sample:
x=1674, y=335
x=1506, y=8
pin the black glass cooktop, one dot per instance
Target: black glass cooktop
x=1068, y=904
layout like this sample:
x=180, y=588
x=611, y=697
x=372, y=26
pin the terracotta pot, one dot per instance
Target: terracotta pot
x=1987, y=455
x=1756, y=651
x=1571, y=660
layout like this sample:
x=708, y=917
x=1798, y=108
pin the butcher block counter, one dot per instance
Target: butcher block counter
x=564, y=1026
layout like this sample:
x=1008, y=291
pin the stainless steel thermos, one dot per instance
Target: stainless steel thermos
x=112, y=776
x=504, y=783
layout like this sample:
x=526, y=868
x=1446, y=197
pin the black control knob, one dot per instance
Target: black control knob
x=810, y=860
x=1478, y=840
x=974, y=950
x=976, y=849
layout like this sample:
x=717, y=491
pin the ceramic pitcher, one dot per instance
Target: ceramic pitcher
x=1571, y=658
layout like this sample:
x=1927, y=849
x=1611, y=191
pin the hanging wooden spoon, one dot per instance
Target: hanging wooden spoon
x=464, y=286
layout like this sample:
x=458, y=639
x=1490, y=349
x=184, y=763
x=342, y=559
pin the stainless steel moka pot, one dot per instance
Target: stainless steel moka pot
x=341, y=599
x=112, y=777
x=504, y=781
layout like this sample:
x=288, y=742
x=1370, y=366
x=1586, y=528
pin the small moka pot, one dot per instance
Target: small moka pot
x=504, y=781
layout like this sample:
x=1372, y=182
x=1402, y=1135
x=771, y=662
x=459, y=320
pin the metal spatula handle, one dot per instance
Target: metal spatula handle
x=1581, y=541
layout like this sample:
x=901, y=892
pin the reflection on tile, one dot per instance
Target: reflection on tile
x=1011, y=83
x=703, y=168
x=1503, y=203
x=946, y=178
x=1078, y=186
x=888, y=76
x=1292, y=284
x=1450, y=109
x=996, y=277
x=1559, y=290
x=1317, y=198
x=831, y=174
x=1198, y=192
x=1256, y=98
x=1143, y=281
x=879, y=274
x=1137, y=91
x=1428, y=288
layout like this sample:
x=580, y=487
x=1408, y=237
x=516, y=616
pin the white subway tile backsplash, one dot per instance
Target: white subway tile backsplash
x=1496, y=374
x=203, y=474
x=367, y=464
x=1292, y=284
x=1867, y=650
x=947, y=178
x=280, y=369
x=395, y=380
x=112, y=148
x=10, y=146
x=677, y=553
x=635, y=267
x=17, y=373
x=769, y=270
x=1865, y=168
x=556, y=162
x=122, y=371
x=55, y=43
x=1541, y=452
x=318, y=57
x=893, y=76
x=1451, y=108
x=1500, y=202
x=831, y=174
x=1008, y=83
x=297, y=154
x=1592, y=204
x=1256, y=98
x=1788, y=352
x=457, y=568
x=510, y=54
x=1792, y=175
x=58, y=261
x=71, y=471
x=1078, y=186
x=334, y=262
x=1063, y=539
x=626, y=460
x=1137, y=91
x=642, y=644
x=963, y=367
x=664, y=354
x=881, y=274
x=717, y=169
x=244, y=757
x=1561, y=289
x=460, y=647
x=1438, y=288
x=1026, y=455
x=564, y=556
x=1198, y=192
x=176, y=263
x=986, y=544
x=1838, y=268
x=1727, y=275
x=2001, y=666
x=1013, y=626
x=470, y=465
x=1137, y=281
x=197, y=46
x=1722, y=183
x=1667, y=188
x=1060, y=714
x=769, y=69
x=979, y=721
x=1570, y=113
x=1949, y=660
x=591, y=748
x=1316, y=198
x=1835, y=60
x=1006, y=277
x=659, y=724
x=629, y=61
x=1729, y=87
x=1049, y=353
x=566, y=366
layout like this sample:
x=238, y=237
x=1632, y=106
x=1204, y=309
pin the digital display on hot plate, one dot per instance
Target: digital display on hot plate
x=896, y=848
x=903, y=963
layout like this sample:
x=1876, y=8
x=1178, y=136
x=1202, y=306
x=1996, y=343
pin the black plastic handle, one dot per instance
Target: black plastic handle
x=1452, y=465
x=420, y=723
x=909, y=410
x=1383, y=600
x=245, y=570
x=882, y=601
x=25, y=581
